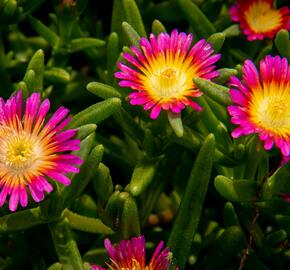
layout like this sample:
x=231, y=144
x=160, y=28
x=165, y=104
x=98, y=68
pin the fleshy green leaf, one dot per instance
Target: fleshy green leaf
x=131, y=34
x=103, y=90
x=79, y=44
x=217, y=40
x=282, y=43
x=142, y=176
x=95, y=113
x=235, y=190
x=189, y=212
x=215, y=91
x=176, y=123
x=197, y=20
x=103, y=184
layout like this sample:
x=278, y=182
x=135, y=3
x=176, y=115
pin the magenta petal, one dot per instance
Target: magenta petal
x=14, y=199
x=3, y=195
x=65, y=135
x=57, y=117
x=43, y=110
x=238, y=97
x=36, y=194
x=59, y=177
x=155, y=111
x=237, y=132
x=23, y=196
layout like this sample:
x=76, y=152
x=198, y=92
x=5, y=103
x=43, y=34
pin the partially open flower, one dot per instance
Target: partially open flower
x=130, y=254
x=32, y=149
x=262, y=102
x=162, y=72
x=259, y=19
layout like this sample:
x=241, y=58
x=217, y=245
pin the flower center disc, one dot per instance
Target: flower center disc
x=167, y=83
x=18, y=152
x=262, y=17
x=273, y=113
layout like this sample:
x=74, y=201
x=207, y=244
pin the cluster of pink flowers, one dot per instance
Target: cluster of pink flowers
x=160, y=74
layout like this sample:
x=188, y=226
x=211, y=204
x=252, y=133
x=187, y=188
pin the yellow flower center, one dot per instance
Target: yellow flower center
x=18, y=152
x=272, y=112
x=168, y=82
x=262, y=17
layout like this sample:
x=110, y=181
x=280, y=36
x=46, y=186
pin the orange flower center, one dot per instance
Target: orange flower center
x=262, y=18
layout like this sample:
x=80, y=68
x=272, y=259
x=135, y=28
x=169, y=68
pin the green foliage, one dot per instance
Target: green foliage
x=181, y=178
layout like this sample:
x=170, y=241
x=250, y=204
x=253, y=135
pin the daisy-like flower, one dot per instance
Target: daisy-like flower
x=130, y=255
x=262, y=102
x=162, y=72
x=259, y=19
x=32, y=149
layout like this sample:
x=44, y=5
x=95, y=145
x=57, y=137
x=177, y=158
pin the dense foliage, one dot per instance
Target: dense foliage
x=217, y=202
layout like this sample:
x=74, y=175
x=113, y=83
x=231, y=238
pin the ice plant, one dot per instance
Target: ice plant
x=33, y=149
x=161, y=72
x=259, y=19
x=262, y=102
x=130, y=255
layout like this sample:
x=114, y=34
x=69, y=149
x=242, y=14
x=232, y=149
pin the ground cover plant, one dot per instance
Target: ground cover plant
x=144, y=134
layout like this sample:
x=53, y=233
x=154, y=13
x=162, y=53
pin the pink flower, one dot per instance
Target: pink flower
x=161, y=72
x=262, y=102
x=32, y=149
x=259, y=19
x=130, y=254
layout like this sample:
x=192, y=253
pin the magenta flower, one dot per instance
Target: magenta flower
x=130, y=254
x=161, y=72
x=262, y=102
x=259, y=19
x=32, y=149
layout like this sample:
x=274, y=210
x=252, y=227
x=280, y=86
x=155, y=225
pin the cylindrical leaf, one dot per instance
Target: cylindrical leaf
x=217, y=92
x=190, y=209
x=142, y=176
x=86, y=224
x=197, y=20
x=235, y=190
x=131, y=34
x=130, y=224
x=112, y=54
x=88, y=170
x=57, y=75
x=103, y=184
x=21, y=220
x=176, y=123
x=95, y=113
x=79, y=44
x=158, y=27
x=133, y=16
x=103, y=90
x=51, y=37
x=282, y=43
x=37, y=65
x=217, y=40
